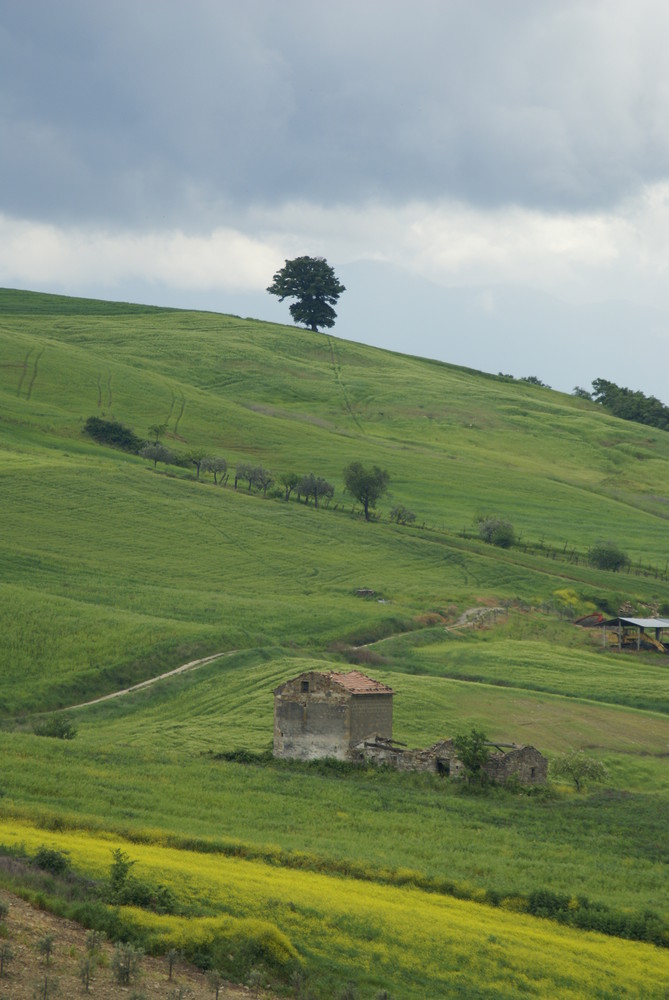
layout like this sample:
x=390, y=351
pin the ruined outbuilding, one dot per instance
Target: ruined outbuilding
x=328, y=714
x=524, y=764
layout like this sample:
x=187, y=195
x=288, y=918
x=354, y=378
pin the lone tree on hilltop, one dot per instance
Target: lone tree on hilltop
x=314, y=284
x=366, y=485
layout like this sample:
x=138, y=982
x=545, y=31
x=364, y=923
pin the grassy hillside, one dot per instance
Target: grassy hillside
x=112, y=571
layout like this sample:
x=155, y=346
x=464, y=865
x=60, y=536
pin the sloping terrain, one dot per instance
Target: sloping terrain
x=113, y=571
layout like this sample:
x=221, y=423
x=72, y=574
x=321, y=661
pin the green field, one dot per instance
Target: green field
x=112, y=571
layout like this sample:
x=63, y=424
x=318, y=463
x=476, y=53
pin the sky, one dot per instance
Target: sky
x=489, y=178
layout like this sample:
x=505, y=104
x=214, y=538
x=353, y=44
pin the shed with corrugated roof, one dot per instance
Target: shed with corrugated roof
x=325, y=714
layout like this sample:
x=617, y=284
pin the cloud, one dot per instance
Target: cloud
x=165, y=114
x=44, y=255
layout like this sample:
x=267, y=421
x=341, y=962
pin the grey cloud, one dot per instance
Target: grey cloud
x=167, y=113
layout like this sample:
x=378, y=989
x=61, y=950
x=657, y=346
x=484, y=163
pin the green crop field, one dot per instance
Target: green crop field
x=113, y=571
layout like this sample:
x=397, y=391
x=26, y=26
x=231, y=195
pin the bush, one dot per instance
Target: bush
x=496, y=531
x=401, y=515
x=113, y=433
x=607, y=555
x=58, y=727
x=50, y=860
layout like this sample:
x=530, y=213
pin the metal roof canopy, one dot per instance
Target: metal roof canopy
x=639, y=622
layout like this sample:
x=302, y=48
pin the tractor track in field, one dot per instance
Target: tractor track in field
x=191, y=665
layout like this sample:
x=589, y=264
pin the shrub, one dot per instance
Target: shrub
x=401, y=515
x=50, y=860
x=59, y=727
x=496, y=531
x=607, y=555
x=113, y=433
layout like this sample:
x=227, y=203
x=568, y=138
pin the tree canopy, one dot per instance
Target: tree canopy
x=313, y=283
x=366, y=485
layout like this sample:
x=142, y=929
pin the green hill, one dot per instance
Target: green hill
x=112, y=571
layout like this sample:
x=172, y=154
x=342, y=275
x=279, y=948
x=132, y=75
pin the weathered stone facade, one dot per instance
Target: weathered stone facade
x=523, y=763
x=326, y=714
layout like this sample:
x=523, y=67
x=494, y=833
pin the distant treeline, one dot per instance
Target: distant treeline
x=629, y=404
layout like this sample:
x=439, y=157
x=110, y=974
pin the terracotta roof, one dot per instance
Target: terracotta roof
x=358, y=683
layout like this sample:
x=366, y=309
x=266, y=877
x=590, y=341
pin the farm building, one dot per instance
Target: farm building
x=327, y=714
x=633, y=633
x=523, y=763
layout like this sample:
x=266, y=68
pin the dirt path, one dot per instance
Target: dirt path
x=154, y=680
x=470, y=618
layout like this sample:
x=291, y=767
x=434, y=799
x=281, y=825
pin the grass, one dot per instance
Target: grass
x=112, y=572
x=378, y=936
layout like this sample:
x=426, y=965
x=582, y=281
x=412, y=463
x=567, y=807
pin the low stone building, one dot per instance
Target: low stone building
x=327, y=714
x=522, y=763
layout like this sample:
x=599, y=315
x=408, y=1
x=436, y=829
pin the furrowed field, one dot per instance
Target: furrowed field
x=112, y=572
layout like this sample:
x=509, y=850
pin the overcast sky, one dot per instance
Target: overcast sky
x=178, y=153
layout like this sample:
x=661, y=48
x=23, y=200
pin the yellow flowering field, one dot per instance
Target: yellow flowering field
x=412, y=943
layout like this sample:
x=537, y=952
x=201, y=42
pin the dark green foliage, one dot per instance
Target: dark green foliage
x=312, y=282
x=316, y=487
x=496, y=530
x=401, y=515
x=473, y=753
x=58, y=727
x=113, y=433
x=629, y=404
x=366, y=485
x=50, y=860
x=289, y=481
x=607, y=555
x=533, y=380
x=124, y=890
x=580, y=393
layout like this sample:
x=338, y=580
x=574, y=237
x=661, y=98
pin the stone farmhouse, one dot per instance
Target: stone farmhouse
x=327, y=714
x=349, y=716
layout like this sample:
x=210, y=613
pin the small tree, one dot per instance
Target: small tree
x=87, y=967
x=607, y=555
x=157, y=431
x=217, y=467
x=316, y=487
x=215, y=981
x=196, y=458
x=6, y=955
x=496, y=530
x=579, y=768
x=261, y=478
x=400, y=515
x=119, y=871
x=46, y=988
x=312, y=282
x=472, y=753
x=45, y=947
x=125, y=963
x=289, y=481
x=171, y=957
x=366, y=485
x=58, y=727
x=157, y=452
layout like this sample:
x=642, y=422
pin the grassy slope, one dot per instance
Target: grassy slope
x=111, y=572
